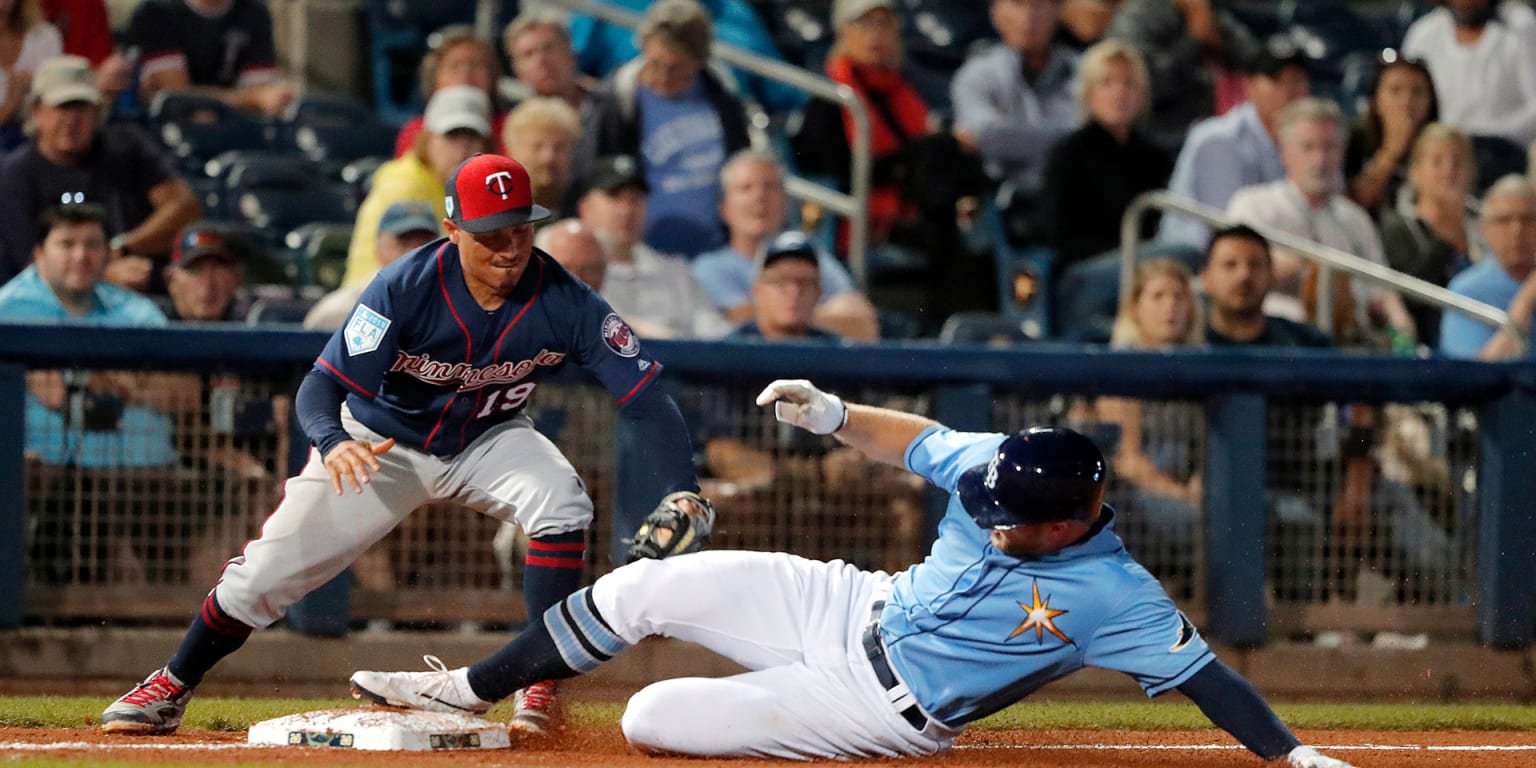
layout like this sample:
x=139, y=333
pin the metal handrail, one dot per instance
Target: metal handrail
x=1330, y=258
x=855, y=205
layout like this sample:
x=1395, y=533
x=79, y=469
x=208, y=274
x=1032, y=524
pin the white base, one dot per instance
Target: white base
x=387, y=730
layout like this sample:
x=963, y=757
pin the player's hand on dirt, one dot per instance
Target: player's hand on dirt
x=799, y=402
x=1307, y=757
x=354, y=461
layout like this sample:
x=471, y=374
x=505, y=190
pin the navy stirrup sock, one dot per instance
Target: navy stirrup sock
x=567, y=640
x=213, y=635
x=552, y=569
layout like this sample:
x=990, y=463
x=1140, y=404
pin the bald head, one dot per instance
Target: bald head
x=574, y=245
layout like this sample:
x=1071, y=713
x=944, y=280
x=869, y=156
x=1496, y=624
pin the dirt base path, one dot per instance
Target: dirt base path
x=606, y=747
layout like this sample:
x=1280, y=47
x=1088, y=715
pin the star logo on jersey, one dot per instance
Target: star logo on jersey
x=364, y=331
x=1040, y=617
x=499, y=183
x=618, y=336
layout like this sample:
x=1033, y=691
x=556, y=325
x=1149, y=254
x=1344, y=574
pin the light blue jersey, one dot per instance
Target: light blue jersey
x=972, y=630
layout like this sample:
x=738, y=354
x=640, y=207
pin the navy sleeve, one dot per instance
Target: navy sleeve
x=656, y=431
x=605, y=346
x=361, y=352
x=1234, y=706
x=318, y=404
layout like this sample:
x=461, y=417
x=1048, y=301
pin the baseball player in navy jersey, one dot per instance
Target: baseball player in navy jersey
x=1026, y=583
x=420, y=398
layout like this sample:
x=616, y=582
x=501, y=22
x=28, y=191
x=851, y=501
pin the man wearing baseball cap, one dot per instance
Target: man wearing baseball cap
x=655, y=291
x=404, y=227
x=428, y=378
x=205, y=273
x=72, y=158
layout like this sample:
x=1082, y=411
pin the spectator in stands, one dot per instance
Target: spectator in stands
x=26, y=41
x=654, y=291
x=87, y=32
x=457, y=125
x=578, y=249
x=1095, y=172
x=538, y=43
x=754, y=208
x=1309, y=202
x=1506, y=280
x=1237, y=276
x=1376, y=160
x=403, y=227
x=1235, y=150
x=1190, y=47
x=1157, y=451
x=542, y=133
x=1436, y=238
x=204, y=276
x=221, y=45
x=1484, y=67
x=1013, y=101
x=457, y=57
x=603, y=47
x=1084, y=22
x=73, y=157
x=96, y=418
x=680, y=118
x=786, y=285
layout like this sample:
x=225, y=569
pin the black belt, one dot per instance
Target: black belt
x=875, y=649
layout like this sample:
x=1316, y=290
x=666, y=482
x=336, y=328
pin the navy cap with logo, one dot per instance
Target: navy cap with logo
x=491, y=192
x=203, y=241
x=1041, y=475
x=792, y=244
x=616, y=172
x=408, y=216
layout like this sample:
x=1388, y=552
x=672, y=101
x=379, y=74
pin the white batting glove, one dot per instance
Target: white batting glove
x=1307, y=757
x=799, y=402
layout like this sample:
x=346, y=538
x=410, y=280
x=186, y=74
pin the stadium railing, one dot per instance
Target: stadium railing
x=1451, y=550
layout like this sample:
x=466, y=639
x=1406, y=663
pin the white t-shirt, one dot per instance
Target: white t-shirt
x=660, y=290
x=1487, y=88
x=1340, y=224
x=42, y=43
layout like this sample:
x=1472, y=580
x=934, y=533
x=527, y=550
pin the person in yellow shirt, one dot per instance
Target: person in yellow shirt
x=457, y=125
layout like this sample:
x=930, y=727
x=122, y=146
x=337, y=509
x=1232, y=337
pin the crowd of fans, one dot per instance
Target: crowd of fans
x=668, y=174
x=1057, y=124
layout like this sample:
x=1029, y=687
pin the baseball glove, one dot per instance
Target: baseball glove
x=675, y=527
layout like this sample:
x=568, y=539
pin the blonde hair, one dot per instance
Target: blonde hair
x=1127, y=334
x=1437, y=132
x=535, y=18
x=1094, y=65
x=449, y=38
x=682, y=25
x=546, y=113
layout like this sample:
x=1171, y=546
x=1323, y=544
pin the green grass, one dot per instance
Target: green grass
x=237, y=714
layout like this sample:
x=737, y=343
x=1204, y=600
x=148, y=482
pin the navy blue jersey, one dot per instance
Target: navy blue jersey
x=424, y=363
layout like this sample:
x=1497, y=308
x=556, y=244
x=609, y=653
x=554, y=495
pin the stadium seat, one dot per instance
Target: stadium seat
x=398, y=31
x=194, y=127
x=938, y=36
x=322, y=248
x=989, y=328
x=279, y=310
x=335, y=129
x=358, y=175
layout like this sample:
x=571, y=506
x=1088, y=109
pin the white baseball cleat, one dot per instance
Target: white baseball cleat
x=440, y=690
x=154, y=706
x=534, y=708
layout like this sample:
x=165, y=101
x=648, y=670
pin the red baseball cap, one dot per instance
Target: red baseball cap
x=491, y=192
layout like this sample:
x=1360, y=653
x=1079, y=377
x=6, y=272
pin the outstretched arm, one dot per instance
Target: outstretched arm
x=881, y=433
x=1234, y=706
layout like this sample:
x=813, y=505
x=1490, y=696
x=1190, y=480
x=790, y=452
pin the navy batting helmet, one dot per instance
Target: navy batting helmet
x=1041, y=475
